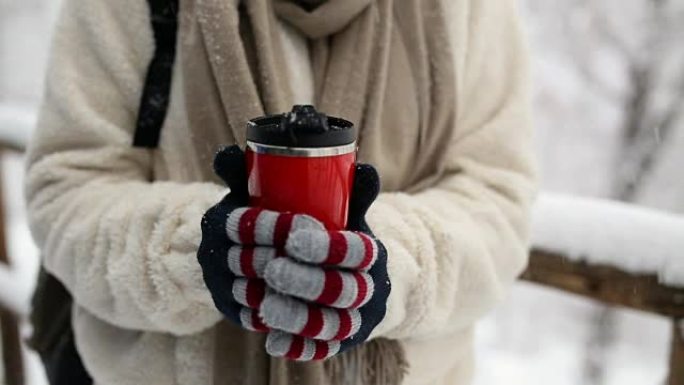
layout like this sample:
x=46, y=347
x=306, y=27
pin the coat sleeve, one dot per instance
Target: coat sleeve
x=455, y=248
x=124, y=246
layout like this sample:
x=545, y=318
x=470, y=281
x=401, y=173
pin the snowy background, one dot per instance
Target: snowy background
x=609, y=79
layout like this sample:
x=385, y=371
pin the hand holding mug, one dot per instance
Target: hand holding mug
x=316, y=291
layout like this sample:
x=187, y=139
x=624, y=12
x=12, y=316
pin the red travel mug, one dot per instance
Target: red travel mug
x=302, y=162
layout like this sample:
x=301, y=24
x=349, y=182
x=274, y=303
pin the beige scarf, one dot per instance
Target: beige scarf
x=383, y=64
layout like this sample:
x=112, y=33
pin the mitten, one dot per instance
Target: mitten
x=331, y=290
x=229, y=165
x=232, y=263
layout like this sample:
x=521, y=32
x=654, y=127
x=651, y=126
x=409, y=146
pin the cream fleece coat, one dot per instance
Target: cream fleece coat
x=120, y=225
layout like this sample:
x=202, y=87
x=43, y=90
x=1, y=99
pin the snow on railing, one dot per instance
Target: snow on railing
x=15, y=289
x=16, y=125
x=602, y=232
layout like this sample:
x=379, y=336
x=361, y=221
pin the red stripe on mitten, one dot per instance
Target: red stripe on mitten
x=250, y=320
x=249, y=292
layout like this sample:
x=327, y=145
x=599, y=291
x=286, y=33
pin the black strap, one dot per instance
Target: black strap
x=154, y=102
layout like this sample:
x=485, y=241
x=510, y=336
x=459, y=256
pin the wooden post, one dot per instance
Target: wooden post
x=11, y=348
x=676, y=375
x=11, y=342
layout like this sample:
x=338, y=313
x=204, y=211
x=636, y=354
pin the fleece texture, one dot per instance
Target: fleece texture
x=120, y=226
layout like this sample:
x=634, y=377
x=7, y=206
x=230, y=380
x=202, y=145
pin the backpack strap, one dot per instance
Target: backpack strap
x=154, y=102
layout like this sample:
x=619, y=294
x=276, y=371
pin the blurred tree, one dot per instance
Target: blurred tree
x=655, y=93
x=628, y=56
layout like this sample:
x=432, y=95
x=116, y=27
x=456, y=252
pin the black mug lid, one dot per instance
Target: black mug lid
x=301, y=127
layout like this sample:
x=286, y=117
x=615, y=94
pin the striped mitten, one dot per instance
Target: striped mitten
x=238, y=242
x=214, y=248
x=319, y=284
x=330, y=290
x=328, y=295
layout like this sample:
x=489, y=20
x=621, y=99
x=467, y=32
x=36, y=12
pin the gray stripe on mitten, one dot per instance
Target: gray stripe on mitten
x=234, y=260
x=293, y=278
x=233, y=224
x=308, y=246
x=356, y=250
x=350, y=290
x=331, y=324
x=240, y=291
x=309, y=350
x=305, y=222
x=278, y=343
x=283, y=312
x=265, y=227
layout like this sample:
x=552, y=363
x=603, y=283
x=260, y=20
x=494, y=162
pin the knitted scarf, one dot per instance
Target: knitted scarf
x=385, y=65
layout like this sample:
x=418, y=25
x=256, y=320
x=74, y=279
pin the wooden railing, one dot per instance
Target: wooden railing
x=615, y=287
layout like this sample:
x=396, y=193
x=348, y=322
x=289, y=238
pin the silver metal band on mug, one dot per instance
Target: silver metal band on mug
x=313, y=152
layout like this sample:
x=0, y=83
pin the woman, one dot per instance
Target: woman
x=438, y=89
